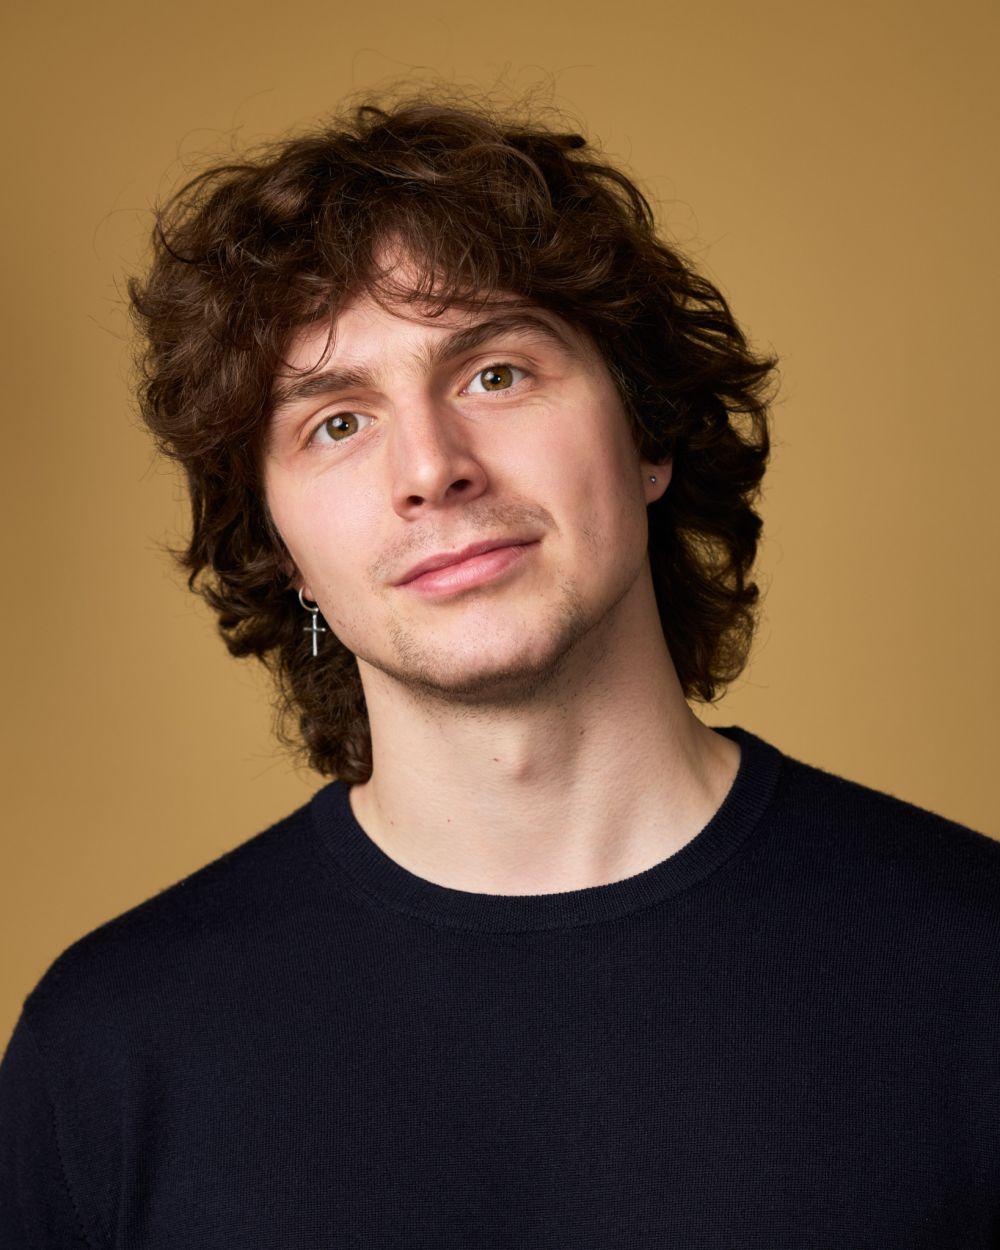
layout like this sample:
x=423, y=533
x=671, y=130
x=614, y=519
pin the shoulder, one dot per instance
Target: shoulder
x=894, y=821
x=120, y=1014
x=133, y=961
x=877, y=842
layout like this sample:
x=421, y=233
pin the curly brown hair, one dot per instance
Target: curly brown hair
x=487, y=201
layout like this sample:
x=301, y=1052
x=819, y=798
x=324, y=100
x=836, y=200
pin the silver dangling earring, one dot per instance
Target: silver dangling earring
x=312, y=628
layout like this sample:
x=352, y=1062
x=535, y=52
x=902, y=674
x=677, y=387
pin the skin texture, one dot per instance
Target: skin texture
x=529, y=735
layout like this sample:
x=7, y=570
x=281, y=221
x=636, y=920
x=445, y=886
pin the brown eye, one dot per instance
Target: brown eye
x=339, y=427
x=341, y=424
x=498, y=377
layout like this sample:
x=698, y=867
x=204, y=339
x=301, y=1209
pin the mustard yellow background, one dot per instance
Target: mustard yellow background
x=832, y=167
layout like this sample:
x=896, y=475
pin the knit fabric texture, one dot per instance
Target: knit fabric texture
x=784, y=1036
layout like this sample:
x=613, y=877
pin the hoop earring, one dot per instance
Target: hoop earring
x=313, y=627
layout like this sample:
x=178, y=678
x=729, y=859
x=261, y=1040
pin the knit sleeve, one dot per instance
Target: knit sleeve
x=37, y=1210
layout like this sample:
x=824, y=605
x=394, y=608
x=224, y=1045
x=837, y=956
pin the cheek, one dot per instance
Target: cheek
x=322, y=535
x=283, y=520
x=591, y=465
x=335, y=535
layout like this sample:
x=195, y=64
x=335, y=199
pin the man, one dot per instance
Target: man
x=548, y=962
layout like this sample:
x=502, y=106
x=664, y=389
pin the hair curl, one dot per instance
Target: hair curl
x=487, y=202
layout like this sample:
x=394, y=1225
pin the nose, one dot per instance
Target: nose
x=432, y=460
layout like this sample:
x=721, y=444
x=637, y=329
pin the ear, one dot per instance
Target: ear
x=662, y=472
x=290, y=573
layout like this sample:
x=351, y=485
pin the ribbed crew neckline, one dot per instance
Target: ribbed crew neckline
x=344, y=841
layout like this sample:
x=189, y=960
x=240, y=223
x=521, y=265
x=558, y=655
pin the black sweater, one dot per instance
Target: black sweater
x=787, y=1034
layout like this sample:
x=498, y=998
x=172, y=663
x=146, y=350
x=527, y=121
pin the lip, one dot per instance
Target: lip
x=478, y=570
x=445, y=559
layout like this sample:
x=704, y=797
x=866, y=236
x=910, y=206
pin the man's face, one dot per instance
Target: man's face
x=436, y=443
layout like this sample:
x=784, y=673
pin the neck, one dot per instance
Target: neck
x=603, y=774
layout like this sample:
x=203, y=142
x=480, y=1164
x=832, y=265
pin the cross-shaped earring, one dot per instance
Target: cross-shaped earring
x=313, y=627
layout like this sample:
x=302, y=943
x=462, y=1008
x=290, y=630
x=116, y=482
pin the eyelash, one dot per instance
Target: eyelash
x=493, y=364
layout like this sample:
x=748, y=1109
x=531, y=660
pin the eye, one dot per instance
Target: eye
x=340, y=426
x=498, y=378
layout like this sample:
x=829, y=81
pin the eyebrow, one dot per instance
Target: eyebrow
x=356, y=377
